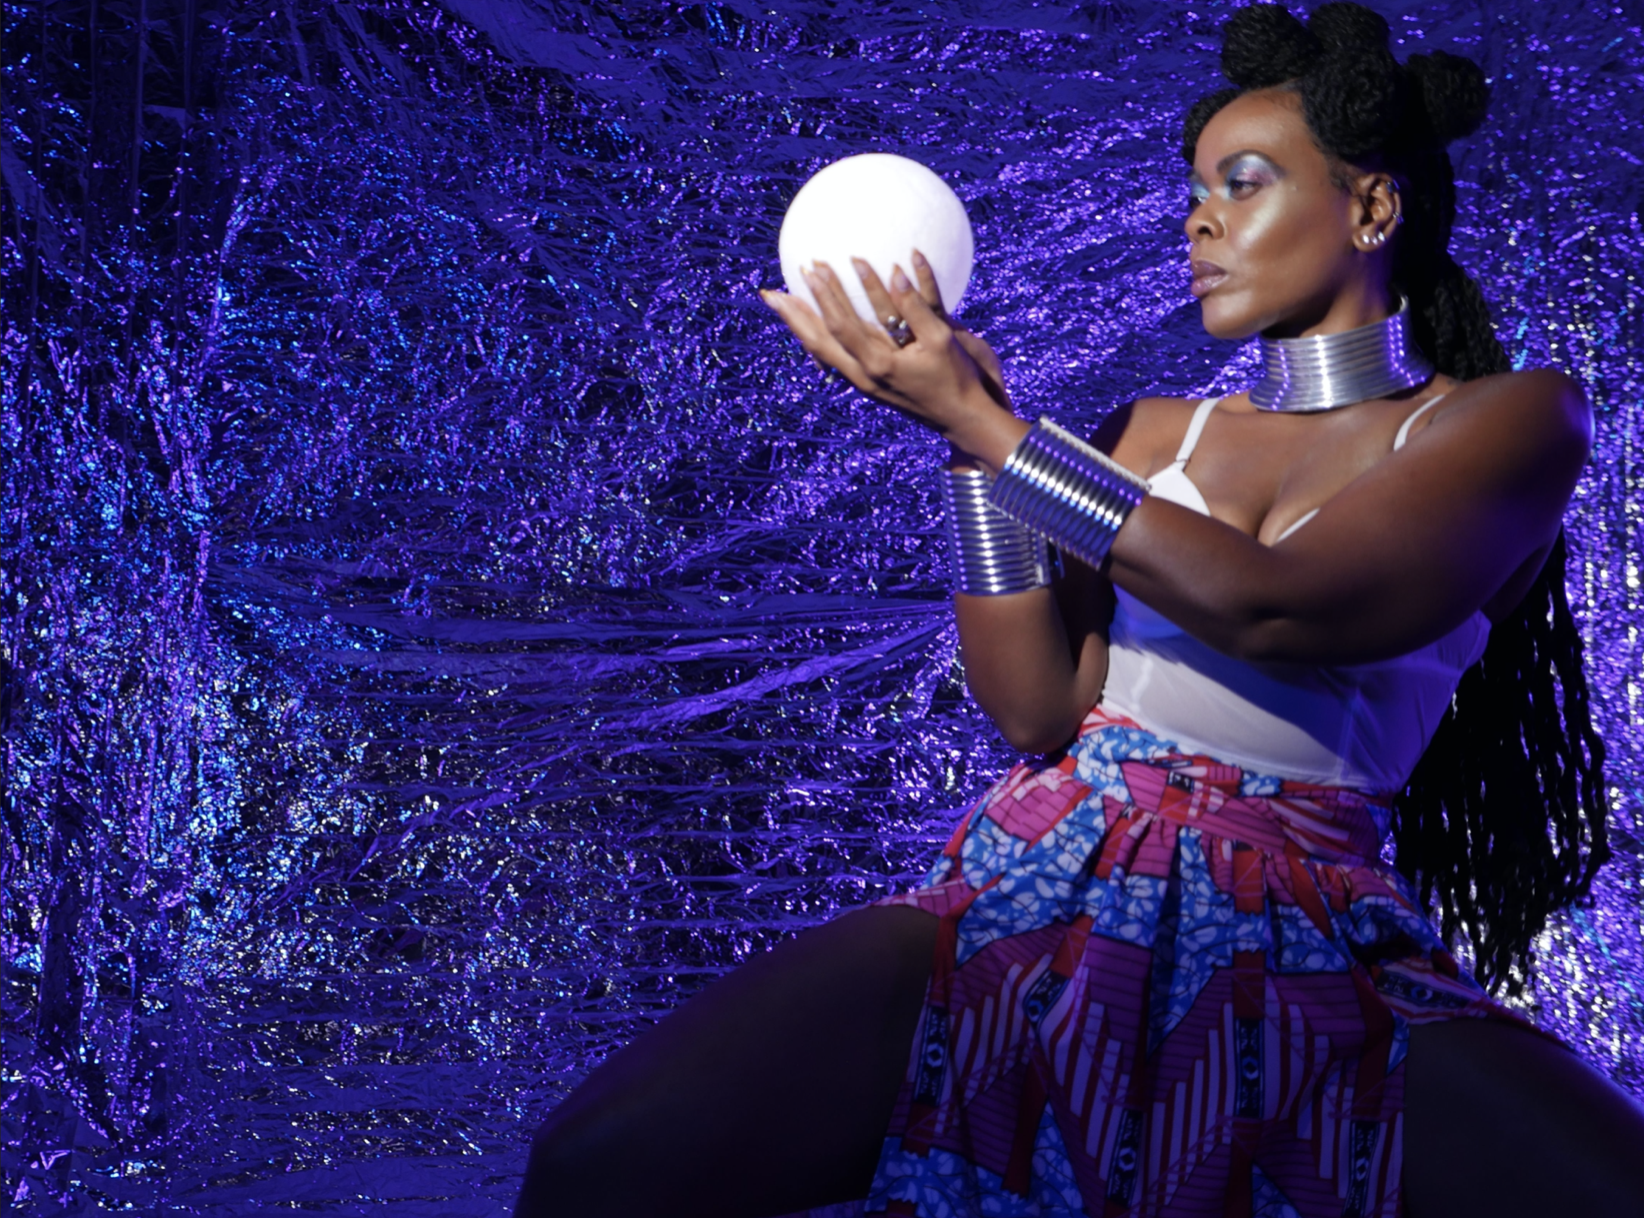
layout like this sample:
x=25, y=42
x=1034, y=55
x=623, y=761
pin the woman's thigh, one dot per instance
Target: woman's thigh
x=1501, y=1122
x=768, y=1092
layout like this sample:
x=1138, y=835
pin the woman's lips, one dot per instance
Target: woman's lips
x=1206, y=276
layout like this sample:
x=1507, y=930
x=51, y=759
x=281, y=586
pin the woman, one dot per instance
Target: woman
x=1164, y=970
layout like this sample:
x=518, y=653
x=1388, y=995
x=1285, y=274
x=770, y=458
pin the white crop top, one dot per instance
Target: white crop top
x=1357, y=725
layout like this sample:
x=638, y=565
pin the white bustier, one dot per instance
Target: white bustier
x=1356, y=725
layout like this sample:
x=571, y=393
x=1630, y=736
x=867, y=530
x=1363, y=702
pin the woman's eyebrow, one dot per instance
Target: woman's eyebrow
x=1232, y=158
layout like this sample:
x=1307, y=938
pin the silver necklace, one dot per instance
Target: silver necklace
x=1331, y=370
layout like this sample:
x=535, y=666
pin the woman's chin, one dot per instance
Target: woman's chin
x=1223, y=322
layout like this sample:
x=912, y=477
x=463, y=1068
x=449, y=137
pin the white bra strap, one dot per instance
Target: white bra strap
x=1404, y=432
x=1195, y=429
x=1296, y=524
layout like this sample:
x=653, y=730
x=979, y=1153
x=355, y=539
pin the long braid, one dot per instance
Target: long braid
x=1503, y=820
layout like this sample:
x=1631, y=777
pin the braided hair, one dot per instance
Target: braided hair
x=1503, y=820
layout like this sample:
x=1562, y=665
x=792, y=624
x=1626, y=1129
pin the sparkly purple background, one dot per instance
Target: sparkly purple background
x=445, y=622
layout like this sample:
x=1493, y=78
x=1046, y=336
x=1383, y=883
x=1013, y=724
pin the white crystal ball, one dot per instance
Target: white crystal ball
x=880, y=208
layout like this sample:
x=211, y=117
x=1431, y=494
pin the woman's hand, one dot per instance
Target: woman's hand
x=943, y=377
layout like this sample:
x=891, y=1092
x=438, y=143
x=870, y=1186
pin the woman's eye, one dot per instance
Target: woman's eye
x=1234, y=188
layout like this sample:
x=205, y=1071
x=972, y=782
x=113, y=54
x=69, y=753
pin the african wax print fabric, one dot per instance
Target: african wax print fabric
x=1164, y=986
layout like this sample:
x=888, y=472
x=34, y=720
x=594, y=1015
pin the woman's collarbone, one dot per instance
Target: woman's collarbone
x=1262, y=472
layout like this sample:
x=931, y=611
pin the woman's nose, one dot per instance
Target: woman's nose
x=1200, y=222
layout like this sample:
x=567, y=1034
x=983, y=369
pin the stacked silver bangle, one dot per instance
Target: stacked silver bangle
x=992, y=554
x=1062, y=488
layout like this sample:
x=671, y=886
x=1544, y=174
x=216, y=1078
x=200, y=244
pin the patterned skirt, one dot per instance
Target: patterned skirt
x=1164, y=986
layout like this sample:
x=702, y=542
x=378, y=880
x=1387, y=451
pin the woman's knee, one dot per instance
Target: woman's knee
x=1501, y=1121
x=829, y=1014
x=891, y=942
x=564, y=1167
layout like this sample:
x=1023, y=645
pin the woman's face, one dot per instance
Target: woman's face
x=1273, y=236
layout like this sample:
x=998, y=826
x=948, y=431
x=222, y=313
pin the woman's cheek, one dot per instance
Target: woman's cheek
x=1269, y=223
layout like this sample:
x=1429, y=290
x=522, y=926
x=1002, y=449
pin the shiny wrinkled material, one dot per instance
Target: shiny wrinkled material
x=447, y=622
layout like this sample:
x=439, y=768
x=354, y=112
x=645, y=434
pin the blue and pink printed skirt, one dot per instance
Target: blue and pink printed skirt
x=1164, y=986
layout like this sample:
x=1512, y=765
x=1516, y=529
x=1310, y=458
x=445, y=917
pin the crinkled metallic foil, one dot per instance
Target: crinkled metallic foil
x=445, y=619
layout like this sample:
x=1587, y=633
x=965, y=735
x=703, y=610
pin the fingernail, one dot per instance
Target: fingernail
x=899, y=281
x=919, y=259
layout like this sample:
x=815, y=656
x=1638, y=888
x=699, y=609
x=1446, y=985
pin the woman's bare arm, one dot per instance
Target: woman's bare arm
x=1395, y=560
x=1399, y=557
x=1036, y=661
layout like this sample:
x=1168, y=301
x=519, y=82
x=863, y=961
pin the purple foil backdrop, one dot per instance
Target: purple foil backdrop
x=446, y=622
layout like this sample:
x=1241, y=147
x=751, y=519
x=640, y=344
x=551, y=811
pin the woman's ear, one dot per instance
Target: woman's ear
x=1379, y=210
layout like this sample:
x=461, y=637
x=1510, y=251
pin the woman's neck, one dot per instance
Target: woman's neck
x=1357, y=304
x=1329, y=369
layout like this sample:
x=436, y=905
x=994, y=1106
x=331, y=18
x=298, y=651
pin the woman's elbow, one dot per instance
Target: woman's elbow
x=1281, y=639
x=1262, y=642
x=1033, y=734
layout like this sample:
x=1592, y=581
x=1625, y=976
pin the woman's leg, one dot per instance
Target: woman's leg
x=1502, y=1123
x=768, y=1092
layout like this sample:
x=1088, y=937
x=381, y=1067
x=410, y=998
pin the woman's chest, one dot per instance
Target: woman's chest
x=1263, y=473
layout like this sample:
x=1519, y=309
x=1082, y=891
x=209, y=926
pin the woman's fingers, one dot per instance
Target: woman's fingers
x=813, y=334
x=803, y=320
x=836, y=316
x=799, y=316
x=993, y=374
x=927, y=326
x=837, y=310
x=926, y=278
x=878, y=296
x=961, y=461
x=933, y=379
x=979, y=351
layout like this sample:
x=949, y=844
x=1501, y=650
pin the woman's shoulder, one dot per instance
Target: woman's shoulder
x=1547, y=387
x=1143, y=435
x=1537, y=405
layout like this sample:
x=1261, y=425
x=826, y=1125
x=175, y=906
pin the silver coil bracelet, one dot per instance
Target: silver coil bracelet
x=1063, y=489
x=992, y=554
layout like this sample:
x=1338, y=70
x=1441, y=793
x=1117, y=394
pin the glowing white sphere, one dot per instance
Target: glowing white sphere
x=880, y=208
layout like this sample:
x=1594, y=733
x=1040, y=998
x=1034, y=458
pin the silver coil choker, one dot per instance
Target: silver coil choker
x=1067, y=491
x=992, y=554
x=1331, y=370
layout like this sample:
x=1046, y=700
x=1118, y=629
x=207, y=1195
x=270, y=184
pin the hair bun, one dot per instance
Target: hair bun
x=1357, y=103
x=1264, y=45
x=1453, y=92
x=1347, y=29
